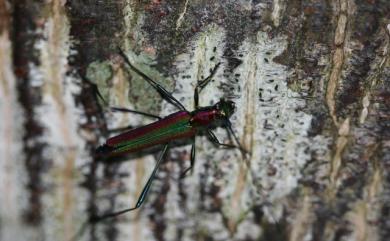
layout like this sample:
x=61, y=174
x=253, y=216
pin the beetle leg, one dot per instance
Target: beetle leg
x=230, y=130
x=143, y=194
x=192, y=160
x=161, y=90
x=213, y=138
x=201, y=84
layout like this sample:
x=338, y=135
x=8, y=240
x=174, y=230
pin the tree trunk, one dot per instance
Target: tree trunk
x=311, y=83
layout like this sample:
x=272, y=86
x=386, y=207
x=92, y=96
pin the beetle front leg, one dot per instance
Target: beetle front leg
x=192, y=160
x=201, y=84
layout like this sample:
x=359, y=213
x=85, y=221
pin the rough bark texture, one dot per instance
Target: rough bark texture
x=311, y=80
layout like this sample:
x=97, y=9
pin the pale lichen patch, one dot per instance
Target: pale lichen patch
x=278, y=145
x=279, y=149
x=99, y=73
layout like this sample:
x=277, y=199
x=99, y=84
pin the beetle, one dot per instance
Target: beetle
x=182, y=124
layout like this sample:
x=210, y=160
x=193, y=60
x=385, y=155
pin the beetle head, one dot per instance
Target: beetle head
x=226, y=108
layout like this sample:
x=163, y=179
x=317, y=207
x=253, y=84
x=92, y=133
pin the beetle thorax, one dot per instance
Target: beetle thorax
x=205, y=118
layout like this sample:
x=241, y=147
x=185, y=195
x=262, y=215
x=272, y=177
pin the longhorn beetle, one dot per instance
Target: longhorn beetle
x=182, y=124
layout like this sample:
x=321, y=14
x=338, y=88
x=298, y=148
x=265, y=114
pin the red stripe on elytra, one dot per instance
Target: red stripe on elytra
x=135, y=133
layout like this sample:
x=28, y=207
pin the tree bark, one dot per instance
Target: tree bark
x=311, y=82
